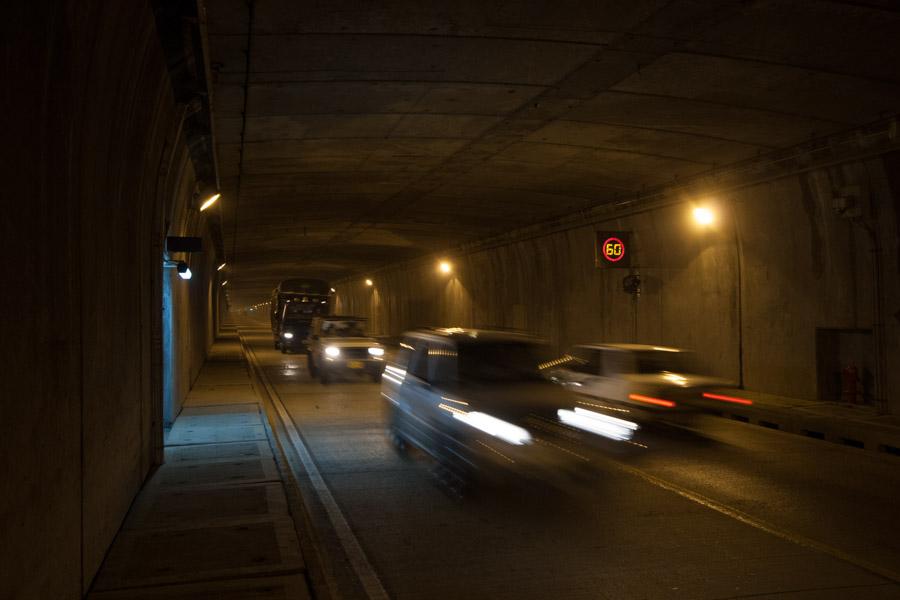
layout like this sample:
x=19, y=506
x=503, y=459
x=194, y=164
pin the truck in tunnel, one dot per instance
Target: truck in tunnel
x=298, y=300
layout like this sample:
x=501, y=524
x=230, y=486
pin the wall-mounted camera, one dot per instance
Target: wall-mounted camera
x=631, y=284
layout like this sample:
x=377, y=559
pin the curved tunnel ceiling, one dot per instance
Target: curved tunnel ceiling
x=377, y=135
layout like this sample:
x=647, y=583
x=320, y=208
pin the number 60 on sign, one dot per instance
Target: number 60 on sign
x=613, y=249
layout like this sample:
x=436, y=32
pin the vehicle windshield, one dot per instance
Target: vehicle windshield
x=656, y=361
x=304, y=286
x=343, y=329
x=583, y=360
x=296, y=310
x=297, y=320
x=499, y=361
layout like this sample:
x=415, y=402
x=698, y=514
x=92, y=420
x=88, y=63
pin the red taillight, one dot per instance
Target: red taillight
x=731, y=399
x=649, y=400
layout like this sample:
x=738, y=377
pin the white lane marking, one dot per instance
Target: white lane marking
x=743, y=517
x=355, y=554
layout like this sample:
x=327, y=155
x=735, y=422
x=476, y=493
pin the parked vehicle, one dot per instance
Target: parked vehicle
x=475, y=401
x=650, y=382
x=338, y=346
x=308, y=297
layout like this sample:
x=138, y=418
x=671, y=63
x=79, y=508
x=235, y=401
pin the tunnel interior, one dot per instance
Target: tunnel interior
x=356, y=143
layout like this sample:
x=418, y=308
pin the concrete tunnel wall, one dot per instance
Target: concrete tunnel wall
x=802, y=267
x=192, y=331
x=96, y=168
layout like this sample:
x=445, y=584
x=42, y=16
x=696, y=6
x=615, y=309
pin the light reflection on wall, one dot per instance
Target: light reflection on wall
x=168, y=349
x=457, y=303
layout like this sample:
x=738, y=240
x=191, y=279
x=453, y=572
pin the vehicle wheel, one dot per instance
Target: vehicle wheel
x=311, y=365
x=398, y=441
x=584, y=474
x=456, y=483
x=376, y=377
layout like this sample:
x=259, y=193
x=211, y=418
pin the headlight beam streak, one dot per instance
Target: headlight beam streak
x=592, y=422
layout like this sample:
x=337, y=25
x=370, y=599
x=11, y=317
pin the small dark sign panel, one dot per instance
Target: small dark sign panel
x=613, y=249
x=184, y=244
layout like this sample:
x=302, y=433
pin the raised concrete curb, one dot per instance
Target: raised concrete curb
x=321, y=581
x=856, y=427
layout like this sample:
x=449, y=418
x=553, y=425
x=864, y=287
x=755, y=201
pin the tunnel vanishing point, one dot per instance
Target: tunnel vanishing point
x=745, y=154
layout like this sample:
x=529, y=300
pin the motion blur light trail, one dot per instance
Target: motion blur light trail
x=649, y=400
x=496, y=427
x=731, y=399
x=588, y=420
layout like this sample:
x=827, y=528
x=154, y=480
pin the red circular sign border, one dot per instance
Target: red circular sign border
x=603, y=249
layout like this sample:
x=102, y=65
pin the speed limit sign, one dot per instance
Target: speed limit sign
x=613, y=249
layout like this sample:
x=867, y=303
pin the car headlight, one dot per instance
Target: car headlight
x=376, y=351
x=498, y=428
x=288, y=335
x=594, y=422
x=333, y=351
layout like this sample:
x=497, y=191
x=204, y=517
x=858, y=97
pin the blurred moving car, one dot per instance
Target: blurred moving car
x=475, y=401
x=650, y=382
x=338, y=345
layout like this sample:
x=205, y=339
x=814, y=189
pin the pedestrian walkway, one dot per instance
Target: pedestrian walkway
x=853, y=425
x=213, y=521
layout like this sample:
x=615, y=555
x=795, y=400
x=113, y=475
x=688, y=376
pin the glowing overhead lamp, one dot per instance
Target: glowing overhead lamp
x=224, y=282
x=445, y=267
x=184, y=271
x=333, y=290
x=704, y=216
x=369, y=282
x=220, y=267
x=210, y=200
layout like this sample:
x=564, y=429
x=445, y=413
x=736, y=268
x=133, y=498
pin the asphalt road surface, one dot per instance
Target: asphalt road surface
x=735, y=512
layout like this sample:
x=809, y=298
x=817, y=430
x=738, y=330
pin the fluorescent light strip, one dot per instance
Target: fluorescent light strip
x=212, y=200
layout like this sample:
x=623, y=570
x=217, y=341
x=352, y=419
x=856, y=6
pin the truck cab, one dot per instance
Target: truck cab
x=299, y=300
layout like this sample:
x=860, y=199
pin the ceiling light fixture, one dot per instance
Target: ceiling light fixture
x=704, y=216
x=209, y=201
x=184, y=271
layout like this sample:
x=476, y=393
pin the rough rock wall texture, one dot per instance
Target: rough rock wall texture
x=92, y=166
x=801, y=267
